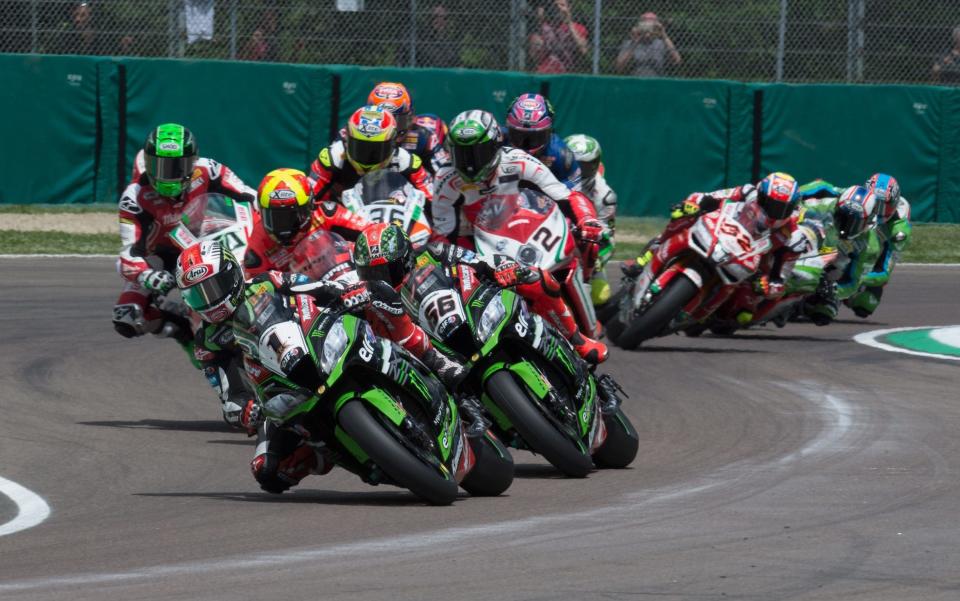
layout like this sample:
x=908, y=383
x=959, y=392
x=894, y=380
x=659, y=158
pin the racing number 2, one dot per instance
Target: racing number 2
x=542, y=236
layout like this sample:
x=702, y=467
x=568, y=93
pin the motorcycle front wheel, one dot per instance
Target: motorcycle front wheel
x=661, y=312
x=393, y=458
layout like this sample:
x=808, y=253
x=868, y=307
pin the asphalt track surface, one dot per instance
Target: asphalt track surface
x=778, y=464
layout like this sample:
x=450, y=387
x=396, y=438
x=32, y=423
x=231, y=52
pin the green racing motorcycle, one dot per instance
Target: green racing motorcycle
x=540, y=394
x=382, y=414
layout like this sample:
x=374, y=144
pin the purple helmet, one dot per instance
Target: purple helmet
x=530, y=122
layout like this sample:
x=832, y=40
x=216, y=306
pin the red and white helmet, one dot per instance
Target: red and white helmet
x=210, y=280
x=394, y=98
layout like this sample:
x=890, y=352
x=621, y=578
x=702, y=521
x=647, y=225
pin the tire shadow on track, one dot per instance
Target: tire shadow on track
x=688, y=349
x=777, y=338
x=391, y=498
x=196, y=425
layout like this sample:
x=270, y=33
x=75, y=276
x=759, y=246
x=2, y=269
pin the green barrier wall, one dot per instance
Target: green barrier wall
x=249, y=116
x=845, y=133
x=49, y=130
x=83, y=119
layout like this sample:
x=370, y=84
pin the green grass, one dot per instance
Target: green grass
x=42, y=208
x=16, y=242
x=931, y=243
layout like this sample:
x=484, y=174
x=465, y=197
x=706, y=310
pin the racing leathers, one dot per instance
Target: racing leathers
x=458, y=202
x=558, y=158
x=604, y=200
x=768, y=283
x=332, y=173
x=148, y=256
x=264, y=253
x=893, y=236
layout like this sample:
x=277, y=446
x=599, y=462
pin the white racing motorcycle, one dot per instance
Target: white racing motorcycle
x=532, y=229
x=387, y=197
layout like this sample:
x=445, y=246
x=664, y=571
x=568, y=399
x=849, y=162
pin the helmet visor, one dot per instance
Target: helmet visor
x=284, y=223
x=169, y=169
x=392, y=273
x=213, y=290
x=774, y=208
x=368, y=153
x=472, y=161
x=850, y=222
x=529, y=139
x=589, y=168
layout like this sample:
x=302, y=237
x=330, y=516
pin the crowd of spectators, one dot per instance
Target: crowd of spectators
x=557, y=40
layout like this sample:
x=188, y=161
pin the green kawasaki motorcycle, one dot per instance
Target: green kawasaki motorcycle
x=540, y=394
x=379, y=410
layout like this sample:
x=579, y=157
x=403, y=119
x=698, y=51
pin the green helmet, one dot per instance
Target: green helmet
x=474, y=143
x=169, y=155
x=383, y=252
x=587, y=152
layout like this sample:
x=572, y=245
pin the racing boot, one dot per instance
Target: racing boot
x=634, y=267
x=610, y=391
x=472, y=414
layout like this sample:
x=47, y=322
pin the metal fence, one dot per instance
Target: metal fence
x=752, y=40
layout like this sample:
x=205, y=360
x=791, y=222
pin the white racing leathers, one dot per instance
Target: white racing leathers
x=457, y=202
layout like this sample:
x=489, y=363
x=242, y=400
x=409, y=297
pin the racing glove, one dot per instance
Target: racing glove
x=157, y=280
x=509, y=273
x=355, y=296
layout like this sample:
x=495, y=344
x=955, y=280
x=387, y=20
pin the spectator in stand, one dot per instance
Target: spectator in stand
x=78, y=34
x=261, y=46
x=947, y=69
x=440, y=46
x=646, y=52
x=560, y=44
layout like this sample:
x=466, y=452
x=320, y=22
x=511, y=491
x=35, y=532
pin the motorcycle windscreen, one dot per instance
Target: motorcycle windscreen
x=384, y=185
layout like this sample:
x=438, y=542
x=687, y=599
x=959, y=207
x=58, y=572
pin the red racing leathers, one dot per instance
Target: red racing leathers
x=332, y=173
x=265, y=253
x=768, y=283
x=146, y=219
x=458, y=202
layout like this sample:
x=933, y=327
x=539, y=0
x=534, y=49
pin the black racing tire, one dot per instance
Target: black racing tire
x=620, y=448
x=393, y=458
x=493, y=472
x=723, y=329
x=535, y=429
x=661, y=311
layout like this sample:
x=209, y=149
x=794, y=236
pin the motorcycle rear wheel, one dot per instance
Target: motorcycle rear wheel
x=393, y=458
x=620, y=448
x=493, y=472
x=661, y=312
x=535, y=429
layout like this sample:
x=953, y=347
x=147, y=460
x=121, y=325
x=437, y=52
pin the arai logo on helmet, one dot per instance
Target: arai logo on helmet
x=171, y=146
x=388, y=92
x=196, y=273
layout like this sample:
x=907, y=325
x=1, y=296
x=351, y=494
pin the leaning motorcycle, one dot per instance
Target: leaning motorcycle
x=700, y=267
x=532, y=229
x=381, y=413
x=541, y=395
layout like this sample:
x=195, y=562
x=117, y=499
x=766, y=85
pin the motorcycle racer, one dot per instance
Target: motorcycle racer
x=149, y=208
x=594, y=186
x=771, y=205
x=530, y=128
x=287, y=216
x=852, y=218
x=893, y=230
x=482, y=168
x=420, y=136
x=369, y=144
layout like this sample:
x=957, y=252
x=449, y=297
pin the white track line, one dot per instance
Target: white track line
x=870, y=339
x=31, y=508
x=837, y=414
